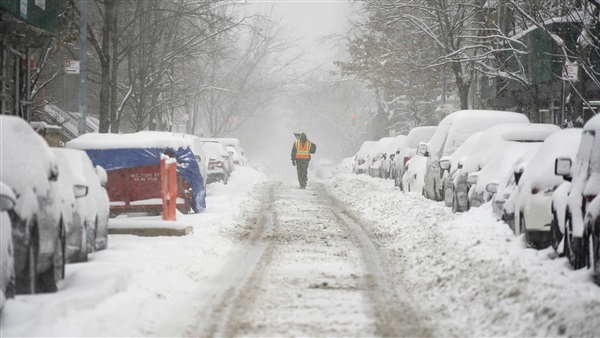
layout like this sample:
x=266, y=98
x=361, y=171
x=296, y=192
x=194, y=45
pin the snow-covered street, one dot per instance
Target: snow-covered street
x=351, y=256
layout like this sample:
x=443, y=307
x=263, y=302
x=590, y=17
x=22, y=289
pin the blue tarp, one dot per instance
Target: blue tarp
x=187, y=167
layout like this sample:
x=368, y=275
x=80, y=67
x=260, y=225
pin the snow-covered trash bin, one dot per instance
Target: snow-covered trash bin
x=132, y=163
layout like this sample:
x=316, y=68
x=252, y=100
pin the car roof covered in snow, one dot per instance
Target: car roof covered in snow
x=540, y=169
x=388, y=145
x=458, y=126
x=365, y=148
x=418, y=135
x=27, y=160
x=506, y=132
x=592, y=124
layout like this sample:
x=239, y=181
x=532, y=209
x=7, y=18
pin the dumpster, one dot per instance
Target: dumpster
x=132, y=163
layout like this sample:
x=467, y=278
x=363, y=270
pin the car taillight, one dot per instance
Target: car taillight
x=586, y=199
x=406, y=159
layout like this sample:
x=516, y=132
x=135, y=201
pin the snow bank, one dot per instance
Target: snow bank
x=468, y=272
x=142, y=286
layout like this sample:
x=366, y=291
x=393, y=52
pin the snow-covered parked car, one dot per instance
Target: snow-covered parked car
x=413, y=179
x=379, y=154
x=455, y=195
x=453, y=131
x=228, y=164
x=514, y=145
x=94, y=208
x=407, y=149
x=240, y=158
x=217, y=163
x=582, y=215
x=490, y=143
x=533, y=212
x=28, y=167
x=7, y=261
x=73, y=186
x=504, y=194
x=360, y=159
x=235, y=155
x=393, y=149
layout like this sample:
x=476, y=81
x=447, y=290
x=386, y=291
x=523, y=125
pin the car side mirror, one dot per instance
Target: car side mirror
x=6, y=203
x=562, y=167
x=422, y=150
x=472, y=179
x=102, y=175
x=80, y=190
x=492, y=188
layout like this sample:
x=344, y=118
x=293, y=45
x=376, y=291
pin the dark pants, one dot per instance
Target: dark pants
x=302, y=169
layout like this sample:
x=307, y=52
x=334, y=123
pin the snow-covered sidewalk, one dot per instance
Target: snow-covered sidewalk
x=141, y=286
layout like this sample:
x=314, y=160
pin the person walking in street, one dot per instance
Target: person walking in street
x=301, y=151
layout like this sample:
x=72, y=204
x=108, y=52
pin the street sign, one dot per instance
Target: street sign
x=570, y=70
x=71, y=66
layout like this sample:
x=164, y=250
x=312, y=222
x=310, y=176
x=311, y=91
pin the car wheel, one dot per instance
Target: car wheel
x=574, y=247
x=60, y=257
x=523, y=230
x=506, y=220
x=48, y=279
x=556, y=234
x=454, y=203
x=595, y=251
x=26, y=282
x=225, y=178
x=83, y=250
x=91, y=236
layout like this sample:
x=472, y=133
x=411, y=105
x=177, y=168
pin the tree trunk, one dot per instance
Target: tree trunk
x=104, y=56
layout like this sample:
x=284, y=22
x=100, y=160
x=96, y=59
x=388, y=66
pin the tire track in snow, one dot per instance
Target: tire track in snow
x=309, y=269
x=397, y=314
x=236, y=276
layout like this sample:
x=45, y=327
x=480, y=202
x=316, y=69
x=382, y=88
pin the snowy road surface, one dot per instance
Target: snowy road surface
x=314, y=266
x=347, y=257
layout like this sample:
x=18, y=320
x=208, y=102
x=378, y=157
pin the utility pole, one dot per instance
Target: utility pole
x=83, y=8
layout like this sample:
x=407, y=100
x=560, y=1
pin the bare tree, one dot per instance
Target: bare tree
x=141, y=47
x=394, y=59
x=254, y=70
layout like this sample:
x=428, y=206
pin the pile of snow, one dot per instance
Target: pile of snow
x=468, y=272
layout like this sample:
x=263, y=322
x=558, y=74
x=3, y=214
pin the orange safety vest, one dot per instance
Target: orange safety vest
x=303, y=151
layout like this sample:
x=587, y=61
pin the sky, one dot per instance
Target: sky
x=309, y=20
